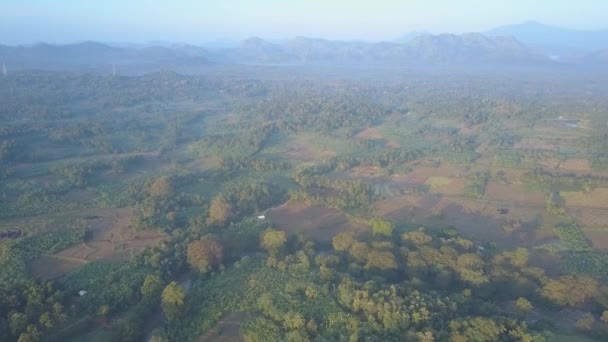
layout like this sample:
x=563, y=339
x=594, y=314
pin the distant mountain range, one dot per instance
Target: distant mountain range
x=424, y=49
x=95, y=56
x=527, y=44
x=561, y=43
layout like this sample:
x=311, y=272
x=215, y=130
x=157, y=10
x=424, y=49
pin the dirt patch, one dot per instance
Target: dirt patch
x=597, y=198
x=514, y=193
x=580, y=165
x=592, y=217
x=50, y=267
x=371, y=133
x=109, y=237
x=598, y=238
x=304, y=149
x=446, y=185
x=228, y=329
x=374, y=133
x=478, y=219
x=365, y=171
x=319, y=223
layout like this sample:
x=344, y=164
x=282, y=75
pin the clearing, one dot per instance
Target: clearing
x=320, y=223
x=109, y=237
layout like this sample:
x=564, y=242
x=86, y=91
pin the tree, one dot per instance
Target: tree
x=161, y=188
x=172, y=300
x=605, y=317
x=219, y=211
x=519, y=258
x=470, y=268
x=359, y=251
x=382, y=260
x=205, y=253
x=293, y=321
x=418, y=238
x=382, y=227
x=586, y=323
x=152, y=285
x=570, y=289
x=273, y=240
x=17, y=323
x=343, y=241
x=32, y=334
x=523, y=305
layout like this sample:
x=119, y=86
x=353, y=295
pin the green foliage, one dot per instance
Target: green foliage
x=475, y=185
x=172, y=301
x=382, y=227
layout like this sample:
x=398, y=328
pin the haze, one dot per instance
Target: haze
x=188, y=21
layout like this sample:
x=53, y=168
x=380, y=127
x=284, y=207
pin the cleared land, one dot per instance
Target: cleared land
x=319, y=223
x=109, y=237
x=227, y=329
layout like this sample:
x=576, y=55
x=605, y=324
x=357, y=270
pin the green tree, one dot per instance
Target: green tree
x=205, y=253
x=17, y=323
x=293, y=321
x=382, y=227
x=570, y=289
x=523, y=305
x=382, y=260
x=586, y=323
x=343, y=241
x=172, y=300
x=273, y=240
x=152, y=285
x=418, y=237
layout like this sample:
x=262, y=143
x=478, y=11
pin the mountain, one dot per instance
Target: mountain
x=597, y=58
x=444, y=49
x=97, y=56
x=411, y=35
x=555, y=41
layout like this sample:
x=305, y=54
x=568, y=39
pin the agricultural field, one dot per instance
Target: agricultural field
x=261, y=207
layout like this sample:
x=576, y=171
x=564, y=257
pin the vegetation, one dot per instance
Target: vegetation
x=164, y=209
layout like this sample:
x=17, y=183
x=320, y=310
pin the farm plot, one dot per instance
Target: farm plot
x=320, y=223
x=480, y=219
x=109, y=237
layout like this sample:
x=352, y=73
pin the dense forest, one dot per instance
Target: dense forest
x=304, y=204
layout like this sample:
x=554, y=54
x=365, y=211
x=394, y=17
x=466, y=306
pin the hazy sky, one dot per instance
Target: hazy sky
x=197, y=21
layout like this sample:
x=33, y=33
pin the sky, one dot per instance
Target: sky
x=200, y=21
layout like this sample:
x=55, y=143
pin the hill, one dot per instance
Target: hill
x=553, y=40
x=444, y=49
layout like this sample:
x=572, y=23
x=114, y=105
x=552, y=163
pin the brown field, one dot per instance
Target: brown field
x=303, y=148
x=319, y=223
x=365, y=171
x=51, y=267
x=514, y=193
x=477, y=219
x=598, y=238
x=109, y=237
x=371, y=133
x=374, y=133
x=592, y=217
x=535, y=144
x=597, y=198
x=446, y=185
x=580, y=165
x=228, y=329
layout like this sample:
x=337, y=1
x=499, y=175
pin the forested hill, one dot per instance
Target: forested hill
x=426, y=50
x=96, y=56
x=443, y=49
